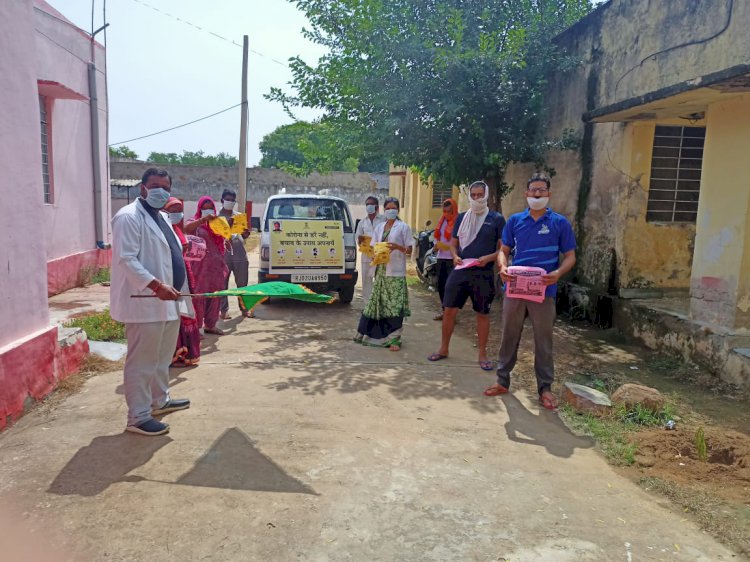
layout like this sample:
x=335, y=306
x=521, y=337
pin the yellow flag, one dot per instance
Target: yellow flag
x=239, y=223
x=220, y=226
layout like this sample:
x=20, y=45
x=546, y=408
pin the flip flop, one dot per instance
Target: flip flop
x=436, y=357
x=487, y=365
x=548, y=402
x=495, y=391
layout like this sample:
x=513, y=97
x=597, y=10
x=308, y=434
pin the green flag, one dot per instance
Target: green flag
x=253, y=294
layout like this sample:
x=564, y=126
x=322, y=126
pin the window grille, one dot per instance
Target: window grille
x=676, y=163
x=440, y=192
x=44, y=119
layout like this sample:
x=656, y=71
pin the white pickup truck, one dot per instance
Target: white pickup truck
x=309, y=239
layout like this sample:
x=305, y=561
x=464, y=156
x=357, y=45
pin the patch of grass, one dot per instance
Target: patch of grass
x=100, y=276
x=611, y=435
x=613, y=432
x=640, y=415
x=667, y=363
x=412, y=280
x=714, y=516
x=99, y=326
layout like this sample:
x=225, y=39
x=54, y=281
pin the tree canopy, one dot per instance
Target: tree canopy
x=301, y=148
x=188, y=158
x=122, y=151
x=453, y=88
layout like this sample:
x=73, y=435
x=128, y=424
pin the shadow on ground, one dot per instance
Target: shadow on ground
x=542, y=430
x=104, y=461
x=232, y=463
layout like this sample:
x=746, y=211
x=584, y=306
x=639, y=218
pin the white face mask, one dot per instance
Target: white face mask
x=228, y=205
x=391, y=214
x=175, y=218
x=208, y=212
x=537, y=203
x=371, y=209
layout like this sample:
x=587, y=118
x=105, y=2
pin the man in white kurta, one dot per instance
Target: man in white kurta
x=147, y=260
x=366, y=228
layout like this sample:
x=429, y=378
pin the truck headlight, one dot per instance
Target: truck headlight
x=350, y=254
x=264, y=253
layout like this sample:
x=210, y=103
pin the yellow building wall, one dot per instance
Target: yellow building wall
x=650, y=254
x=416, y=198
x=720, y=284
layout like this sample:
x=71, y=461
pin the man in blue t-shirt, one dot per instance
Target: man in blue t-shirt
x=477, y=236
x=536, y=237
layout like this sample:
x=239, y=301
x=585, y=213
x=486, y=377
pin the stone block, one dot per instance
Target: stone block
x=585, y=399
x=631, y=394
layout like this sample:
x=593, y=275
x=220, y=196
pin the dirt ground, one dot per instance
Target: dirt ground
x=301, y=445
x=666, y=462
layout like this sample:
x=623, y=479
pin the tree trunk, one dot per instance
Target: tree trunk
x=494, y=201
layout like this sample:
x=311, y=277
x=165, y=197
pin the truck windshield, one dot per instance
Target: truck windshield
x=308, y=209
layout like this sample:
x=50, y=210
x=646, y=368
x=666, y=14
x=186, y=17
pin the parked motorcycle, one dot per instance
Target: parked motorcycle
x=426, y=256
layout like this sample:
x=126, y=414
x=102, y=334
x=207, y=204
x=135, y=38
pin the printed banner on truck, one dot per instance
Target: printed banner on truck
x=301, y=244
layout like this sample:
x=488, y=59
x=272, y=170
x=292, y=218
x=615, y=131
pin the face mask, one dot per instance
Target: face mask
x=537, y=204
x=228, y=205
x=175, y=218
x=391, y=214
x=478, y=206
x=207, y=212
x=371, y=209
x=157, y=197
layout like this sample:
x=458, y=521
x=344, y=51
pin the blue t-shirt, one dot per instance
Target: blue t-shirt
x=539, y=243
x=487, y=238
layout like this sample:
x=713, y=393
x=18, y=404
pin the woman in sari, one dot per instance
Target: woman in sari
x=382, y=321
x=188, y=351
x=443, y=234
x=211, y=272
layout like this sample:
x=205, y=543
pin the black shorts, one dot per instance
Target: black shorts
x=476, y=284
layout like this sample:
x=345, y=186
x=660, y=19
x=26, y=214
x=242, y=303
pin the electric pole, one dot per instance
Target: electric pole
x=242, y=187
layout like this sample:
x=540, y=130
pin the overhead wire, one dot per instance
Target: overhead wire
x=178, y=126
x=199, y=28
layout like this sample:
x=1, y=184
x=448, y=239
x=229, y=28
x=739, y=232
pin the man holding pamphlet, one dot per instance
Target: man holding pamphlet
x=474, y=246
x=536, y=237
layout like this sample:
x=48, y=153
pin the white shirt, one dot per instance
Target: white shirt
x=444, y=254
x=140, y=254
x=366, y=227
x=400, y=234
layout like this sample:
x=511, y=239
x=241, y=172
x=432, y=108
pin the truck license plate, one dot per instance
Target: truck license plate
x=309, y=278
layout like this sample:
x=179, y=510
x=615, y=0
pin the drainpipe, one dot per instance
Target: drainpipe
x=95, y=150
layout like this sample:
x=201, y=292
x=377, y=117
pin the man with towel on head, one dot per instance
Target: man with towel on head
x=477, y=237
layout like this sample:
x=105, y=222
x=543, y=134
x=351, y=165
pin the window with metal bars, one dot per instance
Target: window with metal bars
x=440, y=192
x=44, y=120
x=676, y=163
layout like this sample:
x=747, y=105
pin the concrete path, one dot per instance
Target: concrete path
x=301, y=445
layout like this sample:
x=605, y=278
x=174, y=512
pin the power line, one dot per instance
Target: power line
x=199, y=28
x=177, y=127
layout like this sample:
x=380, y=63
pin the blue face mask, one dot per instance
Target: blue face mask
x=157, y=197
x=371, y=209
x=391, y=214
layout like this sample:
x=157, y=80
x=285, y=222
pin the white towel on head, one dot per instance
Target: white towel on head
x=474, y=218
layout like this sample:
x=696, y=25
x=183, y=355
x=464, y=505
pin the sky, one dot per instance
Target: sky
x=163, y=72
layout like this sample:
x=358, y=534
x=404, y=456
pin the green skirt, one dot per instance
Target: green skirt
x=382, y=320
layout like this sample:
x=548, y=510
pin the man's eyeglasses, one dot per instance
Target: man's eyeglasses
x=538, y=190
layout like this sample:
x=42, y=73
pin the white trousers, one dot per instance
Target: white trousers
x=151, y=346
x=367, y=278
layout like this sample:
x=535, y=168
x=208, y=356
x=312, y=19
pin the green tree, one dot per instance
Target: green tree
x=189, y=158
x=122, y=151
x=301, y=148
x=453, y=88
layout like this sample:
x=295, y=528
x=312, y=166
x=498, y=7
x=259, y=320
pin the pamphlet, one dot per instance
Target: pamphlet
x=526, y=284
x=469, y=262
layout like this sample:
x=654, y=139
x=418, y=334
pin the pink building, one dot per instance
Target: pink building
x=57, y=186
